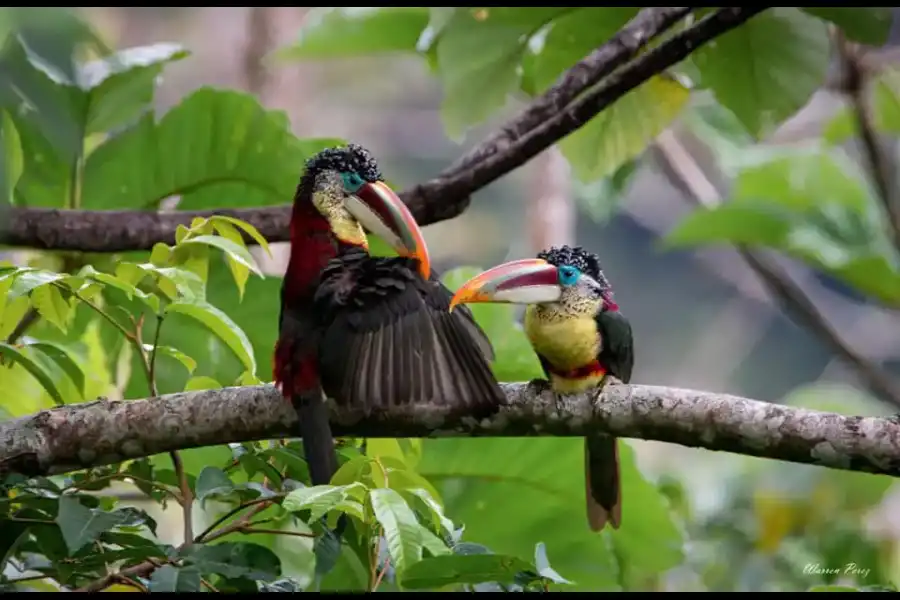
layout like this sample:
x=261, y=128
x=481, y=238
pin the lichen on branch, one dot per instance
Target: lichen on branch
x=104, y=431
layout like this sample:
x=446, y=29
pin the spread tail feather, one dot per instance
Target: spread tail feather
x=318, y=442
x=603, y=491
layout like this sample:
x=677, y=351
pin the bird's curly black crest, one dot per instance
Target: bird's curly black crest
x=576, y=256
x=351, y=158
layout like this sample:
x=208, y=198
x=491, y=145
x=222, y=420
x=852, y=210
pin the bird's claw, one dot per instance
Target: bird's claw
x=539, y=385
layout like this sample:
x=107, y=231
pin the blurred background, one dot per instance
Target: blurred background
x=702, y=319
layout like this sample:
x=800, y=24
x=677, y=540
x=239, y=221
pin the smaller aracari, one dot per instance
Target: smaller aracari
x=579, y=336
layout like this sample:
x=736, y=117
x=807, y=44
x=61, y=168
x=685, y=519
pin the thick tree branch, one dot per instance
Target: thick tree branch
x=441, y=198
x=104, y=432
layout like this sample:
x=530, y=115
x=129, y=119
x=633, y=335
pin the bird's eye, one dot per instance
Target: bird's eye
x=568, y=275
x=352, y=181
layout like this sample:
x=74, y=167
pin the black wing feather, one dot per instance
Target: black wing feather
x=388, y=339
x=617, y=354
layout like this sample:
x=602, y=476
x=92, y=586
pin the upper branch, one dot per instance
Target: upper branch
x=103, y=432
x=562, y=109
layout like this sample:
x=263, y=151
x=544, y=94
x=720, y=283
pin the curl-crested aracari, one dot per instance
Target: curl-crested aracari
x=371, y=333
x=579, y=336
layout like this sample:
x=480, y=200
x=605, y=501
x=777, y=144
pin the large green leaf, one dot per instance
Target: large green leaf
x=401, y=528
x=623, y=130
x=12, y=355
x=456, y=569
x=81, y=525
x=175, y=579
x=331, y=32
x=767, y=68
x=222, y=326
x=216, y=149
x=812, y=204
x=108, y=93
x=121, y=85
x=870, y=25
x=478, y=55
x=519, y=497
x=12, y=160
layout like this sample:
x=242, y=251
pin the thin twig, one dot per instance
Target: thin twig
x=209, y=586
x=878, y=160
x=249, y=530
x=205, y=535
x=687, y=175
x=30, y=317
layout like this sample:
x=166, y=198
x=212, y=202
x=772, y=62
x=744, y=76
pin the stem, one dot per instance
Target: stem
x=205, y=536
x=151, y=372
x=209, y=586
x=123, y=476
x=248, y=530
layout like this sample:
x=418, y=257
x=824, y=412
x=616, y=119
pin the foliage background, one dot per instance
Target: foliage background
x=693, y=520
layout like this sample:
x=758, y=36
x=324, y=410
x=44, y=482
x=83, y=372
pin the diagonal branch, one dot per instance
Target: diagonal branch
x=688, y=176
x=102, y=432
x=439, y=199
x=583, y=75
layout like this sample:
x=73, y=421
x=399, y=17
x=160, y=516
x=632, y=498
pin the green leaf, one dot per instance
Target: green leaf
x=49, y=302
x=401, y=528
x=216, y=148
x=80, y=525
x=319, y=499
x=832, y=588
x=189, y=363
x=12, y=162
x=811, y=204
x=249, y=229
x=63, y=359
x=175, y=579
x=220, y=324
x=121, y=85
x=235, y=560
x=212, y=481
x=519, y=477
x=347, y=32
x=884, y=106
x=14, y=355
x=623, y=130
x=108, y=92
x=449, y=569
x=767, y=68
x=28, y=279
x=234, y=250
x=478, y=54
x=867, y=25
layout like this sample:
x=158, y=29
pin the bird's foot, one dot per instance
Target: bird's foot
x=539, y=385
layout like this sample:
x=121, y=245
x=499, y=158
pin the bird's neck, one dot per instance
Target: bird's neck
x=313, y=244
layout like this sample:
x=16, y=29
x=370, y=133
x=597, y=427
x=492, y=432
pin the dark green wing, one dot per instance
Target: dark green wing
x=389, y=340
x=617, y=354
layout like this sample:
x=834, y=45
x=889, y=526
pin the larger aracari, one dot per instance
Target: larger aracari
x=579, y=335
x=371, y=333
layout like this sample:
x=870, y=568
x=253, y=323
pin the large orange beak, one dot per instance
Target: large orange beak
x=381, y=212
x=526, y=281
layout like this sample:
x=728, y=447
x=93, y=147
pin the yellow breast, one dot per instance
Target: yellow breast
x=567, y=343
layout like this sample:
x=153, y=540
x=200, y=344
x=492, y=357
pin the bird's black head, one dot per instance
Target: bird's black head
x=578, y=258
x=352, y=164
x=345, y=187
